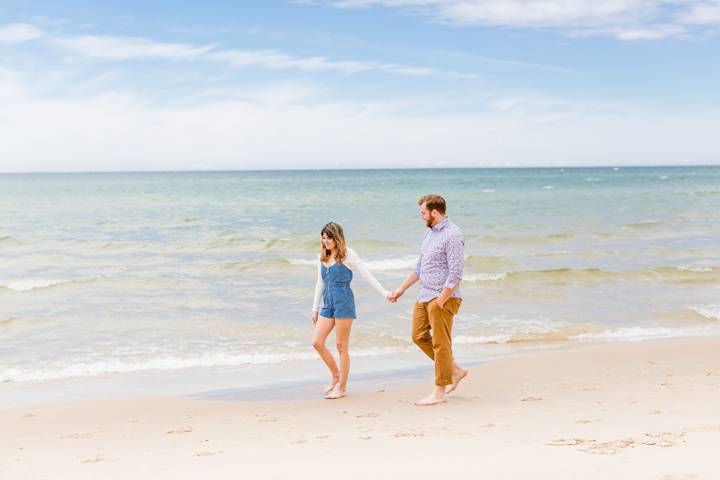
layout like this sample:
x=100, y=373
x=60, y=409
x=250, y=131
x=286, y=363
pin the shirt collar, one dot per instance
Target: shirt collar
x=440, y=226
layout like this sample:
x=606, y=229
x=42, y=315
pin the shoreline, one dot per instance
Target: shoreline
x=644, y=410
x=250, y=382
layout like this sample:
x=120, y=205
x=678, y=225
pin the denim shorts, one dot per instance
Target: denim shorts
x=340, y=303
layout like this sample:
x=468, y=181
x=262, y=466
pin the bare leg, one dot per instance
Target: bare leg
x=323, y=327
x=458, y=374
x=342, y=336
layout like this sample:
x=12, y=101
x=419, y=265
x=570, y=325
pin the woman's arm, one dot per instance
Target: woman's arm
x=356, y=264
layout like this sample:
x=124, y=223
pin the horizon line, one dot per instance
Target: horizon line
x=280, y=170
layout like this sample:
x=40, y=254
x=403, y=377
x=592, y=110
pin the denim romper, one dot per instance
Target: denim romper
x=338, y=298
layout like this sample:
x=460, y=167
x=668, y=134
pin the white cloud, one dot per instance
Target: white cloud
x=124, y=48
x=127, y=48
x=623, y=19
x=279, y=60
x=705, y=13
x=120, y=132
x=19, y=33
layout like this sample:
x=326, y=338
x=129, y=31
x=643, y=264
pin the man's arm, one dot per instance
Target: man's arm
x=411, y=279
x=445, y=295
x=455, y=251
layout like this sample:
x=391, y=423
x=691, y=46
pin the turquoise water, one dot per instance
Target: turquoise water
x=128, y=272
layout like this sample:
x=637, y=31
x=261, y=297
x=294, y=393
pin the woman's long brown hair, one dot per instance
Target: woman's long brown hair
x=334, y=231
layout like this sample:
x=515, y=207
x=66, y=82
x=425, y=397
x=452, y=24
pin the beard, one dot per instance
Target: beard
x=429, y=222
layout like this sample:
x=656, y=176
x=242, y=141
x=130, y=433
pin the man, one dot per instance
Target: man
x=439, y=270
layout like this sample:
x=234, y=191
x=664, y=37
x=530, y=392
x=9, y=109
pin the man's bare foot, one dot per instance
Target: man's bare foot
x=331, y=385
x=335, y=393
x=438, y=396
x=457, y=376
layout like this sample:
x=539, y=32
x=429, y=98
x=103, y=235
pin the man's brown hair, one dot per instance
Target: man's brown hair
x=433, y=202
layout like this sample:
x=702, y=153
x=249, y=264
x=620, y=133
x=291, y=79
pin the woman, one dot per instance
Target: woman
x=335, y=271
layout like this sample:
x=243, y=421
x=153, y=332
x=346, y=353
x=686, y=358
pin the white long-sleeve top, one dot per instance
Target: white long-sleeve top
x=353, y=262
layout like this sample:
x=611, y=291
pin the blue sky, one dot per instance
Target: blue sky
x=107, y=86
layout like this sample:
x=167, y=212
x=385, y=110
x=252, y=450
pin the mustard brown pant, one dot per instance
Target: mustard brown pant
x=429, y=316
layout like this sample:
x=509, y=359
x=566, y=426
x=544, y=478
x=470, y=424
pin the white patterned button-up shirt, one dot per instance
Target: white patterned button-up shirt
x=440, y=264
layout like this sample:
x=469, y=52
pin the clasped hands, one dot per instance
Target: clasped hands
x=393, y=296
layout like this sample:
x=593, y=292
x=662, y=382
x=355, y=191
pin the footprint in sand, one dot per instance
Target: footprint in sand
x=30, y=415
x=298, y=441
x=180, y=430
x=656, y=412
x=266, y=418
x=368, y=415
x=365, y=438
x=205, y=454
x=680, y=476
x=531, y=399
x=80, y=435
x=593, y=446
x=96, y=459
x=663, y=439
x=583, y=422
x=656, y=439
x=608, y=448
x=409, y=434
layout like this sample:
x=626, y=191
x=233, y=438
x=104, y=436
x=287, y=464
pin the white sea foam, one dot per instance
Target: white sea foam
x=484, y=277
x=31, y=284
x=302, y=261
x=95, y=369
x=504, y=329
x=711, y=312
x=480, y=339
x=501, y=330
x=402, y=263
x=694, y=268
x=549, y=187
x=630, y=334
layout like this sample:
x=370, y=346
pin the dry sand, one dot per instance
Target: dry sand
x=646, y=410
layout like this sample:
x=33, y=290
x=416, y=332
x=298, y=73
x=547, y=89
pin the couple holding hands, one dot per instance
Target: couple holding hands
x=439, y=270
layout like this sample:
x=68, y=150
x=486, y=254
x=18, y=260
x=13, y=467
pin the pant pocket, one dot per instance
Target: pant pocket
x=452, y=306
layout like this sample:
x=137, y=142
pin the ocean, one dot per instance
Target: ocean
x=106, y=274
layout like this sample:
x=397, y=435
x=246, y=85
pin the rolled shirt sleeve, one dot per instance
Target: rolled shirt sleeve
x=416, y=267
x=455, y=251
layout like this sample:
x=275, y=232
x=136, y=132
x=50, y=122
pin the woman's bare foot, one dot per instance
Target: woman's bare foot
x=335, y=393
x=438, y=396
x=458, y=374
x=334, y=381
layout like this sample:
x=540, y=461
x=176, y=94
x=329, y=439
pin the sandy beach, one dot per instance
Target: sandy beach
x=630, y=410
